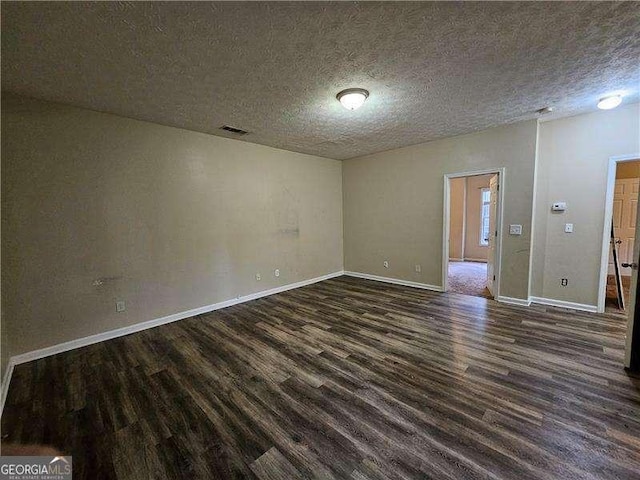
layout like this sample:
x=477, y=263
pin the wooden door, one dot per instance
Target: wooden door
x=491, y=251
x=632, y=350
x=625, y=206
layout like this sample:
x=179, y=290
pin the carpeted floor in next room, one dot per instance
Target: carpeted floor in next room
x=469, y=278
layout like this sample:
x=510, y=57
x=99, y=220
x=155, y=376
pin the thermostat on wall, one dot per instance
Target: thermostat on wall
x=559, y=206
x=515, y=229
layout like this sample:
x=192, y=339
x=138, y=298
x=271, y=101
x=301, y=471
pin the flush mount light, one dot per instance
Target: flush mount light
x=352, y=98
x=544, y=110
x=607, y=103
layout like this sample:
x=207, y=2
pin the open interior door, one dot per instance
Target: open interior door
x=491, y=252
x=632, y=349
x=625, y=206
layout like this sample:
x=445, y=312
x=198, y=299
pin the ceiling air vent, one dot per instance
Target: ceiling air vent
x=230, y=129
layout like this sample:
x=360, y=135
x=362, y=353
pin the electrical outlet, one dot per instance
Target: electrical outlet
x=258, y=277
x=564, y=282
x=120, y=306
x=277, y=272
x=386, y=264
x=418, y=268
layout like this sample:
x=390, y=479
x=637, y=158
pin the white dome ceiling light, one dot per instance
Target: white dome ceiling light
x=352, y=98
x=607, y=103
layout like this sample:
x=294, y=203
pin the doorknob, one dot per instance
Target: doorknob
x=630, y=265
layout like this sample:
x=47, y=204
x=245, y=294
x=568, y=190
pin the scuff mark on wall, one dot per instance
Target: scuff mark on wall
x=287, y=217
x=290, y=231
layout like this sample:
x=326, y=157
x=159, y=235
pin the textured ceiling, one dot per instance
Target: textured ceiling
x=433, y=69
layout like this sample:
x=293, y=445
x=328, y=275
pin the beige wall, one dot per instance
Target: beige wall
x=572, y=167
x=393, y=203
x=472, y=248
x=170, y=219
x=174, y=220
x=457, y=191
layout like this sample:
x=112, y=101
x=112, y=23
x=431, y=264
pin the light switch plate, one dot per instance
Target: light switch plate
x=515, y=229
x=568, y=228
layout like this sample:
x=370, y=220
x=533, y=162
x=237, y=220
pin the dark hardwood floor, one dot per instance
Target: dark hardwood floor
x=346, y=379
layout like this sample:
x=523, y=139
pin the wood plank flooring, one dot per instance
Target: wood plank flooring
x=344, y=379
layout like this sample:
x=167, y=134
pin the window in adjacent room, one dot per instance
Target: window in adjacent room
x=484, y=216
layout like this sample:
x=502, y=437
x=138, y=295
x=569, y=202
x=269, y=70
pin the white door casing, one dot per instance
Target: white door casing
x=491, y=251
x=501, y=172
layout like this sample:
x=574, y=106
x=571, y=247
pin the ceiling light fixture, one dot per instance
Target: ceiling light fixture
x=607, y=103
x=544, y=110
x=352, y=98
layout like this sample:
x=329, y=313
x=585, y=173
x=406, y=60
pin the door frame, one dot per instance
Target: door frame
x=499, y=222
x=608, y=217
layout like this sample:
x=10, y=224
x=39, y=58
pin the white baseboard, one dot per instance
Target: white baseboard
x=119, y=332
x=562, y=304
x=514, y=301
x=476, y=260
x=395, y=281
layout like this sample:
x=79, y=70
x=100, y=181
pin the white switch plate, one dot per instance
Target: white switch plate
x=277, y=272
x=515, y=229
x=568, y=228
x=120, y=306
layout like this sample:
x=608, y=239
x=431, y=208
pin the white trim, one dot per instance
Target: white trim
x=608, y=215
x=395, y=281
x=119, y=332
x=465, y=200
x=5, y=384
x=534, y=199
x=562, y=304
x=514, y=301
x=499, y=218
x=476, y=260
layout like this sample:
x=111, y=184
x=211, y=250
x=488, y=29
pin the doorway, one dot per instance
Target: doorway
x=620, y=250
x=624, y=216
x=472, y=239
